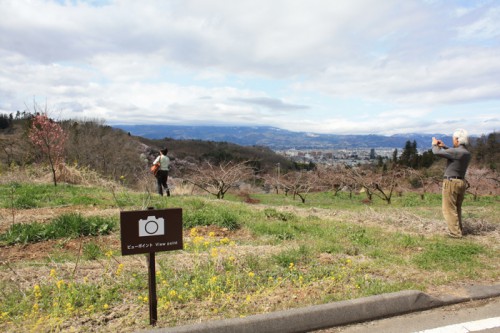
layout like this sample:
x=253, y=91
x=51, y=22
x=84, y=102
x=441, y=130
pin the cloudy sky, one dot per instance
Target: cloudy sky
x=324, y=66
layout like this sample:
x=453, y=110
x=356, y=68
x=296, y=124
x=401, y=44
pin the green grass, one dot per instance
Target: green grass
x=457, y=257
x=26, y=196
x=65, y=226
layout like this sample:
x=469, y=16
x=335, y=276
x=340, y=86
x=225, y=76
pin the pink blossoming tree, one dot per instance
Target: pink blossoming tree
x=50, y=138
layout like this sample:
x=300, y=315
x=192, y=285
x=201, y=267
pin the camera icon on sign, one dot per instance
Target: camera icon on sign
x=152, y=226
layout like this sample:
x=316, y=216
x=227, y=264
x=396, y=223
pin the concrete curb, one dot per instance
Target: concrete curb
x=333, y=314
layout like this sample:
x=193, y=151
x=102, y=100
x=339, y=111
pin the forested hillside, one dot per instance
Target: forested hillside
x=115, y=153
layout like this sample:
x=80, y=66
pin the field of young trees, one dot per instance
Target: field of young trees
x=255, y=240
x=216, y=167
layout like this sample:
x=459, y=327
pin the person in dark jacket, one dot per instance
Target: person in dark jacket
x=454, y=184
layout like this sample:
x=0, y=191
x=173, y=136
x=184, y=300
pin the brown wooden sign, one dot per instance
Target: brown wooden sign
x=149, y=231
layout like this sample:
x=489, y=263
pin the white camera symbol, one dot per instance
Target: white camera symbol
x=152, y=226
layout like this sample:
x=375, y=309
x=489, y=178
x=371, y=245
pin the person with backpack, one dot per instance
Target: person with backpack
x=162, y=173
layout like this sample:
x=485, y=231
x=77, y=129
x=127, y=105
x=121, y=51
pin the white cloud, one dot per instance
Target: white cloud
x=255, y=62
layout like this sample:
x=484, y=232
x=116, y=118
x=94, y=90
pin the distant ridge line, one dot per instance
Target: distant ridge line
x=277, y=138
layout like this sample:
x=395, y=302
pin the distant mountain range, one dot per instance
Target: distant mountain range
x=279, y=139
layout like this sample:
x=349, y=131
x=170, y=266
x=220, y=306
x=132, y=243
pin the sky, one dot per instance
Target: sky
x=338, y=67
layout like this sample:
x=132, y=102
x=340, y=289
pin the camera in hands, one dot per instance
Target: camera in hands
x=152, y=226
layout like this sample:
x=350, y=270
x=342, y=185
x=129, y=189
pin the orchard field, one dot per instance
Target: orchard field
x=252, y=252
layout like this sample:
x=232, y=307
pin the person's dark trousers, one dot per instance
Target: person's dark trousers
x=161, y=182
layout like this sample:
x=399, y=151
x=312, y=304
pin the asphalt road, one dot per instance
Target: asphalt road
x=459, y=318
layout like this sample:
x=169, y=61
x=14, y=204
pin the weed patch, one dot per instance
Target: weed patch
x=65, y=226
x=211, y=215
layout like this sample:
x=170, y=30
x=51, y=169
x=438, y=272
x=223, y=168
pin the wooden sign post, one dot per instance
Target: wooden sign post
x=150, y=231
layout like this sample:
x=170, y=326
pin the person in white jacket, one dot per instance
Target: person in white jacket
x=162, y=174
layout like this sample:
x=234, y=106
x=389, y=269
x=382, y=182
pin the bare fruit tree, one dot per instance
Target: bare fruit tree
x=381, y=184
x=218, y=179
x=299, y=183
x=50, y=138
x=385, y=183
x=335, y=178
x=482, y=181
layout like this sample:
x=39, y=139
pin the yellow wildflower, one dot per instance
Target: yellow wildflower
x=211, y=234
x=119, y=270
x=251, y=274
x=53, y=273
x=198, y=239
x=105, y=306
x=37, y=291
x=69, y=307
x=60, y=284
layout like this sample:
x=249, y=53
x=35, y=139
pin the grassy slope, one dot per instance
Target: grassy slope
x=283, y=254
